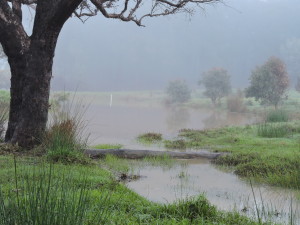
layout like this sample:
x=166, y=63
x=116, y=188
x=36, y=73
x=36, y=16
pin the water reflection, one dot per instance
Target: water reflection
x=217, y=119
x=122, y=124
x=177, y=118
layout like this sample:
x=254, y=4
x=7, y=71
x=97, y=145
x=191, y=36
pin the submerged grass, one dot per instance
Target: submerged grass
x=107, y=146
x=36, y=192
x=275, y=160
x=164, y=161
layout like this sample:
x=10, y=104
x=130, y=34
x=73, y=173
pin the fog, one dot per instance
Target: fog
x=109, y=55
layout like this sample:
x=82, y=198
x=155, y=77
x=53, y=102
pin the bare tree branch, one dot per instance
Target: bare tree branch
x=17, y=8
x=158, y=8
x=124, y=10
x=13, y=37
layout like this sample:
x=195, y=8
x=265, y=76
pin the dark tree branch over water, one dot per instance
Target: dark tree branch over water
x=31, y=57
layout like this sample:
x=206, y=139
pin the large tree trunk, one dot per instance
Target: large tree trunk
x=31, y=59
x=30, y=87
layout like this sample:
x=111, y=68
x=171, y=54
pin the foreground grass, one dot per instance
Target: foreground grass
x=275, y=160
x=35, y=192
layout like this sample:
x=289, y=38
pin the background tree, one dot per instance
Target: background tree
x=216, y=83
x=31, y=56
x=269, y=82
x=178, y=91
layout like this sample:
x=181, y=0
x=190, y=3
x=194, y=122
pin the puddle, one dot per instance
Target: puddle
x=223, y=189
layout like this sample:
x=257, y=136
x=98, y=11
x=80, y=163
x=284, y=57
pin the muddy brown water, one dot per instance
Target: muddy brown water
x=122, y=124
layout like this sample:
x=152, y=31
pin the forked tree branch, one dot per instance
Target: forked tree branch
x=158, y=8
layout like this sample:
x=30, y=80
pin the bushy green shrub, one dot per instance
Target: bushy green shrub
x=66, y=137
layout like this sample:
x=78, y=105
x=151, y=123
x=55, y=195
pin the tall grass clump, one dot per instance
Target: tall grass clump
x=41, y=196
x=66, y=137
x=277, y=116
x=273, y=130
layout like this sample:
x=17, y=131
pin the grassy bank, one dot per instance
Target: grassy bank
x=269, y=152
x=35, y=192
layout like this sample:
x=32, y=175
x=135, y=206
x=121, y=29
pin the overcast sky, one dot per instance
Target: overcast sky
x=109, y=55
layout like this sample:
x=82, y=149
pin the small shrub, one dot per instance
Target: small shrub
x=235, y=103
x=191, y=209
x=176, y=144
x=277, y=116
x=149, y=138
x=65, y=139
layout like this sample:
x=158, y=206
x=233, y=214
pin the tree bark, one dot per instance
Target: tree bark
x=30, y=88
x=17, y=66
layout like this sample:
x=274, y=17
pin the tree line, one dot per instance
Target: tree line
x=269, y=83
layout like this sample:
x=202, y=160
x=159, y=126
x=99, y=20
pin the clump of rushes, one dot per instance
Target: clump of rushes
x=107, y=146
x=40, y=196
x=149, y=138
x=273, y=130
x=103, y=199
x=277, y=116
x=176, y=144
x=66, y=138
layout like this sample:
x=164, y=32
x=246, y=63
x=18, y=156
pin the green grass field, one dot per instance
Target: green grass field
x=33, y=191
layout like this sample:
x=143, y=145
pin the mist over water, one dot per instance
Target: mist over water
x=122, y=124
x=108, y=55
